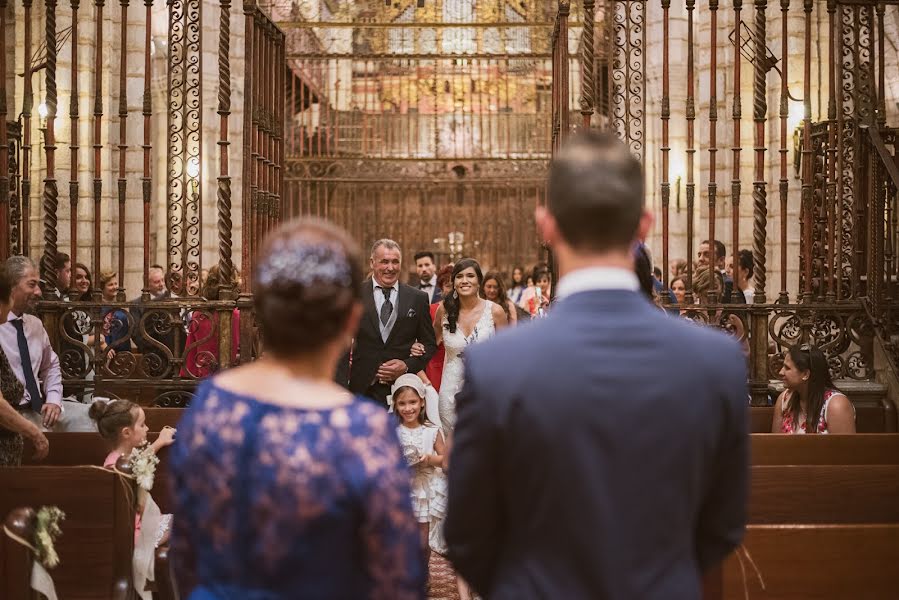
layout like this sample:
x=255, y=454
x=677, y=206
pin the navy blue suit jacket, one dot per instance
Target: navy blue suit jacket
x=599, y=453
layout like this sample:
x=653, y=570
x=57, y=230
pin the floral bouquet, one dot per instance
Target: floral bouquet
x=45, y=533
x=411, y=454
x=143, y=466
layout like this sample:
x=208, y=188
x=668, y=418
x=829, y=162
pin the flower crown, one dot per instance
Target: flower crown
x=293, y=261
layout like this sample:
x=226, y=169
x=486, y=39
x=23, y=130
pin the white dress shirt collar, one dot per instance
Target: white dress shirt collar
x=375, y=285
x=597, y=278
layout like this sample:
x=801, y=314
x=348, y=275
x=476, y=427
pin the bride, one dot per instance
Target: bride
x=463, y=318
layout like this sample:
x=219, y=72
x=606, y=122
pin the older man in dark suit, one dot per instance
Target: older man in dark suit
x=396, y=316
x=602, y=452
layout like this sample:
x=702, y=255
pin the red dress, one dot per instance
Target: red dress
x=434, y=370
x=202, y=359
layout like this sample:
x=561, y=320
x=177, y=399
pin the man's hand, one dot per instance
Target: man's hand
x=41, y=445
x=389, y=371
x=51, y=414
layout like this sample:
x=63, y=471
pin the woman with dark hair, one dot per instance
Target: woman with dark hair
x=434, y=370
x=464, y=318
x=519, y=285
x=286, y=485
x=13, y=426
x=494, y=290
x=810, y=403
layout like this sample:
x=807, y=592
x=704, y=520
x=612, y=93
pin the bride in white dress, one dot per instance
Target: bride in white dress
x=462, y=319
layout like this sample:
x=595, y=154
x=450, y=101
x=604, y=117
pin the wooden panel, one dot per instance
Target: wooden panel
x=157, y=418
x=823, y=562
x=824, y=494
x=98, y=540
x=869, y=449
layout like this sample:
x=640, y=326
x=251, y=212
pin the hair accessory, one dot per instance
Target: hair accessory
x=293, y=261
x=407, y=380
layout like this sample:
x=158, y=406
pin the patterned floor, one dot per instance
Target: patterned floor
x=443, y=579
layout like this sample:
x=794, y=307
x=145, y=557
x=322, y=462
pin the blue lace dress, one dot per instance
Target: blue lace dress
x=286, y=503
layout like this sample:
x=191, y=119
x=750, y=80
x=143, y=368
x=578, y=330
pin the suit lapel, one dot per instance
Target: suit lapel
x=402, y=307
x=371, y=310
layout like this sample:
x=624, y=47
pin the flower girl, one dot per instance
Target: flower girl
x=423, y=448
x=122, y=423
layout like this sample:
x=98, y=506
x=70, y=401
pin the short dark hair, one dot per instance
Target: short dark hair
x=424, y=254
x=745, y=261
x=300, y=316
x=61, y=259
x=595, y=192
x=720, y=250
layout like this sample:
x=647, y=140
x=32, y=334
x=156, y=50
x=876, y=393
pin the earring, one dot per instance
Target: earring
x=455, y=294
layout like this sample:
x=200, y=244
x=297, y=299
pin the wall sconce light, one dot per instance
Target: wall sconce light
x=677, y=193
x=43, y=112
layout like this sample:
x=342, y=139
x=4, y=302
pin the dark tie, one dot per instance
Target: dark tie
x=30, y=382
x=387, y=307
x=424, y=286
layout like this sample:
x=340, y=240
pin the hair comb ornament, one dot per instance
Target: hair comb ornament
x=294, y=261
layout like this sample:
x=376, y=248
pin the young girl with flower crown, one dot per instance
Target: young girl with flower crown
x=123, y=424
x=423, y=448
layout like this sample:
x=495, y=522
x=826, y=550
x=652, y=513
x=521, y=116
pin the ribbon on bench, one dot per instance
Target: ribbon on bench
x=144, y=557
x=743, y=570
x=40, y=578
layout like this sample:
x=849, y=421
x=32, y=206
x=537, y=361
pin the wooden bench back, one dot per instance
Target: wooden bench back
x=157, y=418
x=821, y=494
x=825, y=562
x=869, y=449
x=98, y=533
x=76, y=448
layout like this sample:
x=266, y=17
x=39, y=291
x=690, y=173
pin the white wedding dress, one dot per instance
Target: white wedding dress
x=453, y=367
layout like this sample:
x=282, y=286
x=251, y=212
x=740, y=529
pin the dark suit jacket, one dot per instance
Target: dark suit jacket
x=600, y=453
x=167, y=339
x=413, y=322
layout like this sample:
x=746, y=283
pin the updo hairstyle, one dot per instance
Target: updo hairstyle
x=308, y=279
x=112, y=417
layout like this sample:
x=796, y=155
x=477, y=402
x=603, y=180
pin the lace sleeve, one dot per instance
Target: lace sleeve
x=390, y=534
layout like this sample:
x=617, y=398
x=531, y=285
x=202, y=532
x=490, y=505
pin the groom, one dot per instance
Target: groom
x=594, y=457
x=395, y=317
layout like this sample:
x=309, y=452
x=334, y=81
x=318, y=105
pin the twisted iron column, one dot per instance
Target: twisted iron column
x=588, y=74
x=759, y=191
x=226, y=267
x=51, y=193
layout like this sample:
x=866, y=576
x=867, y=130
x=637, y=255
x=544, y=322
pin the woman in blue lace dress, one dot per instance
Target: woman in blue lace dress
x=285, y=485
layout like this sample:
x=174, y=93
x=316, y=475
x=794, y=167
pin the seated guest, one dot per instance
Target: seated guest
x=810, y=403
x=201, y=351
x=63, y=267
x=519, y=285
x=27, y=346
x=433, y=373
x=159, y=325
x=678, y=288
x=13, y=426
x=286, y=485
x=743, y=275
x=494, y=289
x=77, y=327
x=81, y=283
x=536, y=298
x=116, y=322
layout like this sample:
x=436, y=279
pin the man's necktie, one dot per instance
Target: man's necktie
x=387, y=307
x=424, y=286
x=30, y=382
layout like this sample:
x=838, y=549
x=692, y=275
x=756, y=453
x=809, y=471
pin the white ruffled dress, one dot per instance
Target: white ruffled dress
x=429, y=490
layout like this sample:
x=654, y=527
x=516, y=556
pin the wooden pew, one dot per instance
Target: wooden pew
x=824, y=562
x=98, y=532
x=869, y=449
x=76, y=448
x=879, y=417
x=822, y=494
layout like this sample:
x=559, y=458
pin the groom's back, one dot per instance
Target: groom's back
x=623, y=460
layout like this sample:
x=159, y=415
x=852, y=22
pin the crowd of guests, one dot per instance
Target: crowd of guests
x=190, y=334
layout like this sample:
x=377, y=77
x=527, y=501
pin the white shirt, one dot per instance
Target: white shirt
x=428, y=288
x=44, y=362
x=597, y=278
